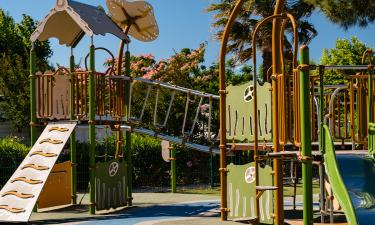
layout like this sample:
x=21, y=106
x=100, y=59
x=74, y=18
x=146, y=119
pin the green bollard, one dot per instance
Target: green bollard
x=306, y=139
x=32, y=96
x=92, y=164
x=73, y=147
x=129, y=187
x=173, y=170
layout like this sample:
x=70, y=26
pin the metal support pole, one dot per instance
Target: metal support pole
x=173, y=170
x=73, y=147
x=223, y=131
x=92, y=165
x=212, y=170
x=321, y=148
x=32, y=96
x=306, y=140
x=322, y=192
x=277, y=69
x=129, y=186
x=370, y=98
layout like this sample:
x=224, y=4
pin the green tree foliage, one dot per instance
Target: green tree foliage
x=346, y=52
x=15, y=46
x=185, y=69
x=252, y=12
x=347, y=13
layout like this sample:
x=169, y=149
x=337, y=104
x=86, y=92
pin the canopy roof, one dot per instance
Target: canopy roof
x=135, y=16
x=69, y=21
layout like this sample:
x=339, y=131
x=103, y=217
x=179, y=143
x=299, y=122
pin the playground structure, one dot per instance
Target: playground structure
x=88, y=97
x=301, y=105
x=249, y=122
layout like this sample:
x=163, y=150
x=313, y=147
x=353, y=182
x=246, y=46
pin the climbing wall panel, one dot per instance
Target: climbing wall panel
x=20, y=194
x=242, y=194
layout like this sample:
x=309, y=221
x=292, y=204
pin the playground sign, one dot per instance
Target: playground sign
x=110, y=185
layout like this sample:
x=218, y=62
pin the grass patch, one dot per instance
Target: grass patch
x=289, y=190
x=214, y=191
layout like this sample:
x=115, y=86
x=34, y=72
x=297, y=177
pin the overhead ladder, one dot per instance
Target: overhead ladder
x=20, y=194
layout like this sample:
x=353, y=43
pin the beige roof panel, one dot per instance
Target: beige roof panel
x=69, y=20
x=138, y=14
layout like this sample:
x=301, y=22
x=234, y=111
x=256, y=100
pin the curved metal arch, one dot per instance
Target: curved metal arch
x=222, y=92
x=103, y=49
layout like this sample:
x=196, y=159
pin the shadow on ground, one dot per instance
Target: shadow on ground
x=130, y=215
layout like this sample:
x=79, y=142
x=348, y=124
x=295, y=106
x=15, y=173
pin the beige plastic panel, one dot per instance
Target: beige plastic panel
x=144, y=28
x=240, y=112
x=24, y=206
x=58, y=105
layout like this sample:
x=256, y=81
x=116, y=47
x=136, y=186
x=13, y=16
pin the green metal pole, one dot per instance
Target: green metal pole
x=306, y=140
x=370, y=99
x=212, y=170
x=32, y=96
x=92, y=165
x=128, y=140
x=73, y=147
x=321, y=142
x=173, y=170
x=321, y=108
x=33, y=101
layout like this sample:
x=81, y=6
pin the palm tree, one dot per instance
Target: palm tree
x=252, y=12
x=347, y=13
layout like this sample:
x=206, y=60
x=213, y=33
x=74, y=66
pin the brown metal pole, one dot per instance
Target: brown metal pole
x=119, y=67
x=222, y=92
x=277, y=70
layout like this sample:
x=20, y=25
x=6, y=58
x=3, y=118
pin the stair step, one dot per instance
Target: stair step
x=266, y=188
x=279, y=155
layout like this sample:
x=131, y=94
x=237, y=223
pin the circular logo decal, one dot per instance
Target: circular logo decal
x=250, y=175
x=113, y=168
x=249, y=93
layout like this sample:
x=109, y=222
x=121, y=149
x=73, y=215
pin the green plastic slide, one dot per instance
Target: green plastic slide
x=334, y=176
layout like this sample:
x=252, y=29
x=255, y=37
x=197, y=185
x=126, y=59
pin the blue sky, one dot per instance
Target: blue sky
x=182, y=24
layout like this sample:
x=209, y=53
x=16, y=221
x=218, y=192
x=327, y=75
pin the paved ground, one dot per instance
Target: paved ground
x=153, y=209
x=147, y=207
